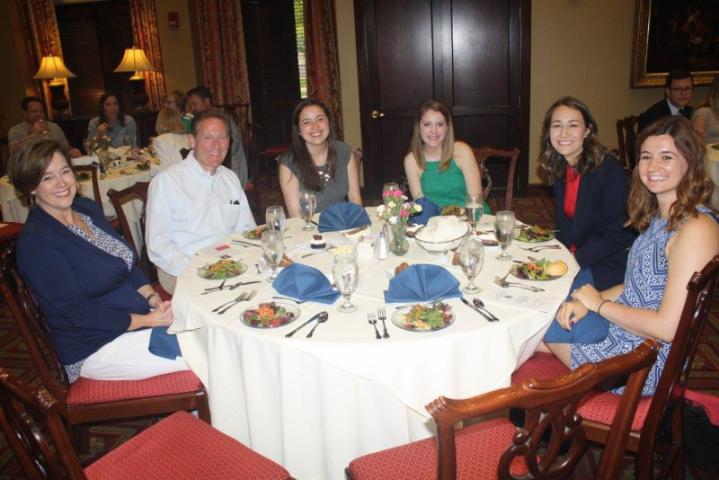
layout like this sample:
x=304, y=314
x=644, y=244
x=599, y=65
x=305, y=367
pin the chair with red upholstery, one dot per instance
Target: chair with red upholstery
x=496, y=448
x=666, y=405
x=178, y=447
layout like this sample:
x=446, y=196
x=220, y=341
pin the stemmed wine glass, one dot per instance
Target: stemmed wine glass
x=273, y=250
x=471, y=257
x=308, y=205
x=474, y=205
x=275, y=218
x=346, y=275
x=504, y=229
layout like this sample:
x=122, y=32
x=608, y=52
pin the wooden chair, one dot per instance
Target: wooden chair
x=92, y=170
x=482, y=154
x=627, y=131
x=91, y=401
x=178, y=447
x=665, y=407
x=497, y=448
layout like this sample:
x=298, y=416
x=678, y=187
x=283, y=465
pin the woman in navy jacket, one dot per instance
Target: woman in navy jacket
x=590, y=188
x=84, y=276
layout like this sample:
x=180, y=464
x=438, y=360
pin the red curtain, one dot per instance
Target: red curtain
x=222, y=54
x=323, y=71
x=145, y=36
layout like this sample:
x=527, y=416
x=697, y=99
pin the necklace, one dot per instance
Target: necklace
x=324, y=175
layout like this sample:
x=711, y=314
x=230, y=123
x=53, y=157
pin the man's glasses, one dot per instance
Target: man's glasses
x=682, y=89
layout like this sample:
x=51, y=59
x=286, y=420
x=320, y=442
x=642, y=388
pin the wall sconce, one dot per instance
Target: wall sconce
x=135, y=60
x=52, y=67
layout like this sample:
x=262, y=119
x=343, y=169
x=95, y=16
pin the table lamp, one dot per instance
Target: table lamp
x=135, y=60
x=52, y=67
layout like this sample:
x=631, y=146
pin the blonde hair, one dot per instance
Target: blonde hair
x=169, y=121
x=417, y=146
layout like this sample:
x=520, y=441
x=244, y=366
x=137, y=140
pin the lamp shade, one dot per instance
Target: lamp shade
x=52, y=66
x=134, y=60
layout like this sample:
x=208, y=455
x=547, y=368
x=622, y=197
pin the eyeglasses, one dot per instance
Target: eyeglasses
x=682, y=89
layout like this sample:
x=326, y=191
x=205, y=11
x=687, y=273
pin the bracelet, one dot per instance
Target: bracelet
x=153, y=294
x=601, y=305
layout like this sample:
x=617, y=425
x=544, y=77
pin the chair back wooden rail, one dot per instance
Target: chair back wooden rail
x=482, y=154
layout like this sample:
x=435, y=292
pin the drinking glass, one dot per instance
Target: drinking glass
x=308, y=205
x=474, y=205
x=275, y=218
x=471, y=257
x=388, y=187
x=346, y=275
x=504, y=229
x=273, y=250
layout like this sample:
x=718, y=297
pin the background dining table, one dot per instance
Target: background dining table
x=314, y=404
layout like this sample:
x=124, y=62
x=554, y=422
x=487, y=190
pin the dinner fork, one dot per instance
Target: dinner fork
x=539, y=248
x=502, y=282
x=373, y=321
x=383, y=316
x=244, y=296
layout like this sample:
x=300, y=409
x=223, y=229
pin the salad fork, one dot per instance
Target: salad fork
x=383, y=316
x=502, y=282
x=243, y=297
x=373, y=321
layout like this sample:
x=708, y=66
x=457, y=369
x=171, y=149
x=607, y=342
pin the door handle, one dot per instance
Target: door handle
x=377, y=114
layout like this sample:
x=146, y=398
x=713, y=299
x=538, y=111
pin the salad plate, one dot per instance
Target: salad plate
x=424, y=317
x=533, y=234
x=255, y=233
x=539, y=270
x=270, y=315
x=221, y=269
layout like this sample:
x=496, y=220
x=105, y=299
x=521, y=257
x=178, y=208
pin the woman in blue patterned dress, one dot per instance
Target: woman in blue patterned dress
x=679, y=235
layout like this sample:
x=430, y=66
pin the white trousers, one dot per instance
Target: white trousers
x=127, y=358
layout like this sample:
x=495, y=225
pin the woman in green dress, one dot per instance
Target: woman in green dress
x=437, y=166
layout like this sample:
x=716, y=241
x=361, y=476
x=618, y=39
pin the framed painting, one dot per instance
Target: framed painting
x=674, y=34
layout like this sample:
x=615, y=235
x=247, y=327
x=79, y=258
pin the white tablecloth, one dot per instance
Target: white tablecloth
x=118, y=178
x=315, y=404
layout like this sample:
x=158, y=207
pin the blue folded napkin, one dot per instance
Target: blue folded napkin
x=342, y=216
x=429, y=210
x=422, y=283
x=163, y=344
x=305, y=283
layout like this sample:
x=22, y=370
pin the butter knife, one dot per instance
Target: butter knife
x=466, y=302
x=315, y=317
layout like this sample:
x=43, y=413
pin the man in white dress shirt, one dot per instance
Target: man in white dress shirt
x=196, y=202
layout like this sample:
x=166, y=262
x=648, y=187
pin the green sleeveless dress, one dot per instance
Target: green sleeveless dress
x=447, y=187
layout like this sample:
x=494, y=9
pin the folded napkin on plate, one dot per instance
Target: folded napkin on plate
x=164, y=344
x=422, y=283
x=429, y=210
x=305, y=283
x=84, y=160
x=342, y=216
x=443, y=228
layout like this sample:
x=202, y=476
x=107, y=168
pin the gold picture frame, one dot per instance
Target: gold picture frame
x=670, y=35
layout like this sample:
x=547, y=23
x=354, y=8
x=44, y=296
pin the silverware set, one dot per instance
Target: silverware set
x=222, y=286
x=372, y=320
x=478, y=306
x=320, y=317
x=504, y=283
x=539, y=248
x=242, y=297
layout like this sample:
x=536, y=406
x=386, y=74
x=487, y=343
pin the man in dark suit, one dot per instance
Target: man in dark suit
x=678, y=90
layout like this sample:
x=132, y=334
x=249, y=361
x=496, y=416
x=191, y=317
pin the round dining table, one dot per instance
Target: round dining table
x=314, y=404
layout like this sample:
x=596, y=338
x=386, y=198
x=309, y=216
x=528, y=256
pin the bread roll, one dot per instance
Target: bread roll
x=556, y=269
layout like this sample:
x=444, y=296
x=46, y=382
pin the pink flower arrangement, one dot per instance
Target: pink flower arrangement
x=396, y=208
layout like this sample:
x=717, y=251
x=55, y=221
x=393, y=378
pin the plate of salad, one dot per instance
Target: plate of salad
x=255, y=233
x=540, y=270
x=533, y=234
x=221, y=269
x=424, y=317
x=270, y=315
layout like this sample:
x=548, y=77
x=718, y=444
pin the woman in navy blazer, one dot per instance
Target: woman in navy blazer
x=84, y=276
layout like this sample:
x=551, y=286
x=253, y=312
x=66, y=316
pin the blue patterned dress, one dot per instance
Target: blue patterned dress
x=644, y=282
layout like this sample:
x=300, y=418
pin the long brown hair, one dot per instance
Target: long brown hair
x=308, y=175
x=592, y=154
x=694, y=189
x=416, y=146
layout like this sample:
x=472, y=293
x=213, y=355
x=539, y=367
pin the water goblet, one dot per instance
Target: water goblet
x=473, y=206
x=275, y=218
x=504, y=229
x=471, y=258
x=308, y=205
x=346, y=275
x=273, y=250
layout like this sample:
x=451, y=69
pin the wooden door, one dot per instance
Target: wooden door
x=472, y=55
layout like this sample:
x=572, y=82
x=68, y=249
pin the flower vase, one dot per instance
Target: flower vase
x=399, y=244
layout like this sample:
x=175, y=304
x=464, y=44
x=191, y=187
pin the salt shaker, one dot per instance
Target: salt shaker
x=381, y=244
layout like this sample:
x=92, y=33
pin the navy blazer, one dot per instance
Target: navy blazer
x=86, y=294
x=660, y=110
x=597, y=231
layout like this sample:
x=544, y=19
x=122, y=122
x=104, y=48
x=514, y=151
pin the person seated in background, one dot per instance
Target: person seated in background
x=590, y=190
x=177, y=101
x=706, y=117
x=171, y=137
x=679, y=236
x=199, y=100
x=317, y=162
x=437, y=166
x=113, y=123
x=678, y=88
x=84, y=276
x=196, y=202
x=35, y=124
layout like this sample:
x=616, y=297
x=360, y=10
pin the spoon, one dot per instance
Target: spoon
x=480, y=304
x=321, y=319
